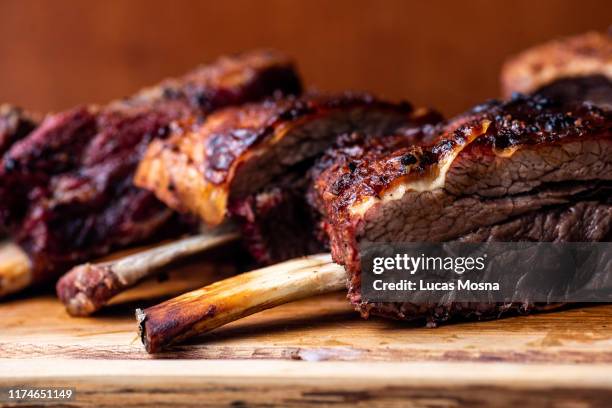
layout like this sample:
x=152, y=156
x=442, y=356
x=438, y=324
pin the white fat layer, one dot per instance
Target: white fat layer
x=433, y=182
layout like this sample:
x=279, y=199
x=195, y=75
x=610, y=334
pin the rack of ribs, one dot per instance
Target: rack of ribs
x=258, y=152
x=529, y=168
x=66, y=189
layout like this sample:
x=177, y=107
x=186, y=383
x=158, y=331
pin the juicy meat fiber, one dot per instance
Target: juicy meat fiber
x=66, y=190
x=503, y=171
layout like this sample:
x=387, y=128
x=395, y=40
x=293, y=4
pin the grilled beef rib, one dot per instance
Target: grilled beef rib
x=526, y=169
x=66, y=190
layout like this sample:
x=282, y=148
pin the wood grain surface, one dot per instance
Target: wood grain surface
x=323, y=328
x=315, y=351
x=214, y=383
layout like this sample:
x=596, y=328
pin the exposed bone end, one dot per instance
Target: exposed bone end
x=140, y=318
x=15, y=269
x=87, y=288
x=228, y=300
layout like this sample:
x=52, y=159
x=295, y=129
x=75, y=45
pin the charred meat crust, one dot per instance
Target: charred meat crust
x=596, y=89
x=277, y=223
x=584, y=55
x=527, y=157
x=66, y=190
x=435, y=314
x=252, y=125
x=202, y=168
x=15, y=124
x=494, y=129
x=230, y=80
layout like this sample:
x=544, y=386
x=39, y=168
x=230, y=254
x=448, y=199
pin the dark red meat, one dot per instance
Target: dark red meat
x=66, y=189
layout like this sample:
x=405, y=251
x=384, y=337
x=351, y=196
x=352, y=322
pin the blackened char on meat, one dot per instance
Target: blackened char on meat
x=203, y=169
x=582, y=63
x=255, y=162
x=526, y=169
x=596, y=89
x=66, y=190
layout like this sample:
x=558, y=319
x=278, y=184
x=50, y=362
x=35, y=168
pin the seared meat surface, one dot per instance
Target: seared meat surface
x=596, y=89
x=526, y=169
x=572, y=69
x=66, y=190
x=252, y=164
x=202, y=169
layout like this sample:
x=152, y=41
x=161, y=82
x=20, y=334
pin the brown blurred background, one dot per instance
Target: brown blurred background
x=55, y=54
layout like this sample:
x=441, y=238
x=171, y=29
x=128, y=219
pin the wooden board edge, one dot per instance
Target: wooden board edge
x=287, y=384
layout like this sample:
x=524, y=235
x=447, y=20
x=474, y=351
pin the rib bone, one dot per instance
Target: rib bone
x=88, y=287
x=228, y=300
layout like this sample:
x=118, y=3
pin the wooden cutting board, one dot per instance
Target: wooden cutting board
x=316, y=351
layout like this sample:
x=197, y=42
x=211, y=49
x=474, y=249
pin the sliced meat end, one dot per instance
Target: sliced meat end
x=582, y=221
x=520, y=160
x=278, y=224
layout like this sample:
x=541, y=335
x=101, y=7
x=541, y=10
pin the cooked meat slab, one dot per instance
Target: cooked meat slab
x=526, y=169
x=66, y=190
x=574, y=68
x=237, y=151
x=279, y=222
